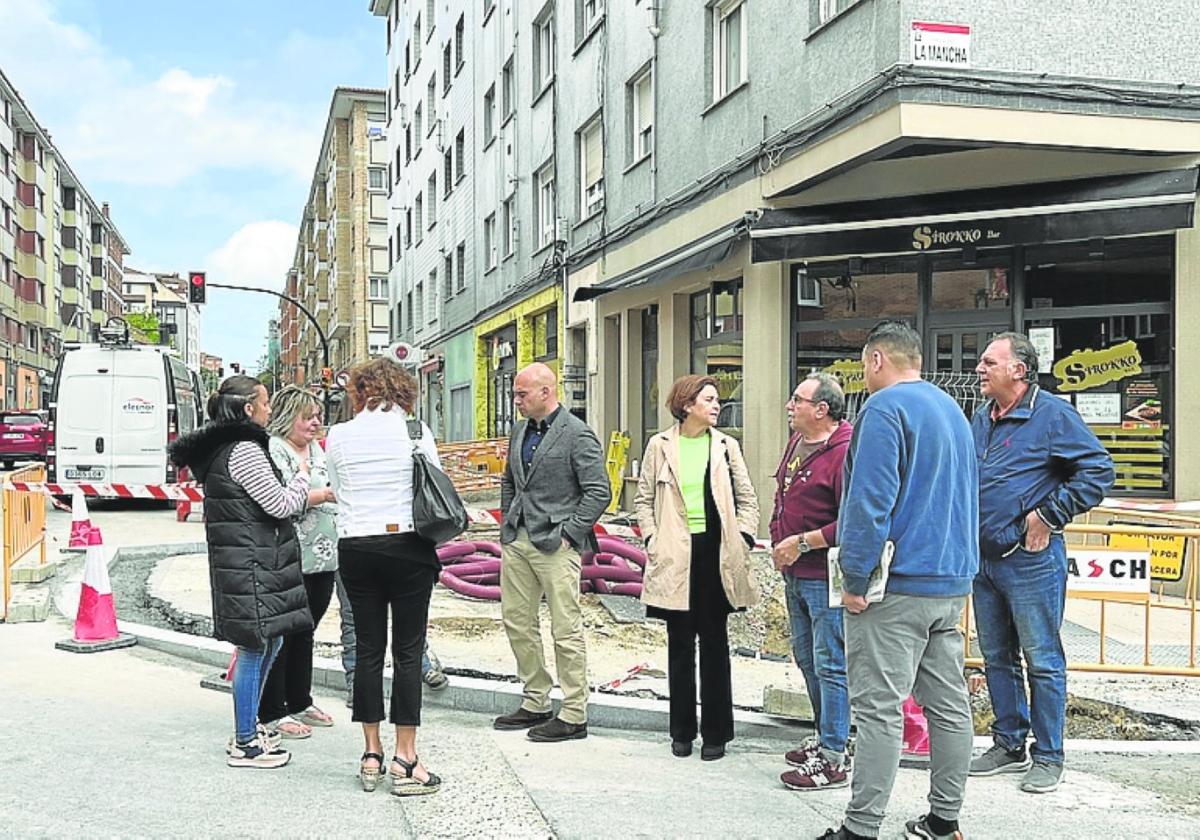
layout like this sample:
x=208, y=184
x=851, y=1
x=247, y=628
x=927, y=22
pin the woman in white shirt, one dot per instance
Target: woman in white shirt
x=384, y=563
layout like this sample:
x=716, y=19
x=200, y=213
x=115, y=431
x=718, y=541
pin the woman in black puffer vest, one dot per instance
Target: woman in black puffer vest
x=253, y=557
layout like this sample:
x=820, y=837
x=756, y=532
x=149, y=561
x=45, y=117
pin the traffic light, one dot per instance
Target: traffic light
x=327, y=376
x=196, y=287
x=236, y=367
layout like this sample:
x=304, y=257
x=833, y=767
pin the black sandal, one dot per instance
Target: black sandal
x=408, y=785
x=369, y=776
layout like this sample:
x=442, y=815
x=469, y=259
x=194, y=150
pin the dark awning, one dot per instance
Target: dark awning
x=1061, y=211
x=698, y=254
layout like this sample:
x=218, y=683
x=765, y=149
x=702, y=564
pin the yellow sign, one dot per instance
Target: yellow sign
x=850, y=373
x=1166, y=554
x=1085, y=369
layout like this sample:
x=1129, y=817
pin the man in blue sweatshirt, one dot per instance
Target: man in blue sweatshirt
x=1040, y=466
x=910, y=479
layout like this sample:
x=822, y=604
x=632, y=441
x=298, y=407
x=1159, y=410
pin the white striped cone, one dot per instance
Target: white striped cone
x=96, y=620
x=81, y=525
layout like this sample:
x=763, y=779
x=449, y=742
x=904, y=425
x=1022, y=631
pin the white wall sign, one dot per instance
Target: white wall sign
x=1042, y=339
x=941, y=44
x=1115, y=574
x=402, y=353
x=1099, y=408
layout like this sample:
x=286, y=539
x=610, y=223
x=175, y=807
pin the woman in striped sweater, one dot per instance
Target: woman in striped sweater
x=254, y=559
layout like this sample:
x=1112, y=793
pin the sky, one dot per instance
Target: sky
x=199, y=123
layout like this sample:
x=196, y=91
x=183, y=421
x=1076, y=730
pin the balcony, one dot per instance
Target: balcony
x=31, y=312
x=31, y=266
x=8, y=297
x=339, y=324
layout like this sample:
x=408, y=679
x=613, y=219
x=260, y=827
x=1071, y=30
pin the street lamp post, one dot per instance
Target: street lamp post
x=307, y=314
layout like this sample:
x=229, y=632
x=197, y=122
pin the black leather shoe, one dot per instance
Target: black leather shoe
x=711, y=752
x=557, y=730
x=681, y=749
x=522, y=718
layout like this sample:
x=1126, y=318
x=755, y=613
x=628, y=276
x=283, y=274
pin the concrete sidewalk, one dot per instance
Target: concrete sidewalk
x=125, y=744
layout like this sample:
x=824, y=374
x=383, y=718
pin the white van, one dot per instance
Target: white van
x=114, y=409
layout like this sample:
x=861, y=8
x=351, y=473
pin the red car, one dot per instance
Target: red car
x=22, y=438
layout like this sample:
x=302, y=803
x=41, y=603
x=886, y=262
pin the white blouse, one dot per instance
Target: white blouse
x=370, y=470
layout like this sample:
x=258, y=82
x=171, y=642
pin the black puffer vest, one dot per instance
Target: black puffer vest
x=253, y=558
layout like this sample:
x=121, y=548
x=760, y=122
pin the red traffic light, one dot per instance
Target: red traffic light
x=197, y=288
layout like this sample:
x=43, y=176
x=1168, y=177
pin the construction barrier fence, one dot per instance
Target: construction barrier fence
x=24, y=525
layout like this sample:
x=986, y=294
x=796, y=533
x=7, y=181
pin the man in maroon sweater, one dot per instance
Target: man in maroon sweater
x=803, y=526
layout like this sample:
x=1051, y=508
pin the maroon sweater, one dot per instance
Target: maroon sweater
x=812, y=500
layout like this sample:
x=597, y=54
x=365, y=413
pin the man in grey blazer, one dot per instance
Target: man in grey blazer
x=552, y=492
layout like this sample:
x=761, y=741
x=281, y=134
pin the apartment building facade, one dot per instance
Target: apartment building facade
x=61, y=256
x=340, y=267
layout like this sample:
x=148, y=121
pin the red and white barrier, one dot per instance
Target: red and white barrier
x=187, y=492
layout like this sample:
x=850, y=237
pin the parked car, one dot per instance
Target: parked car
x=22, y=437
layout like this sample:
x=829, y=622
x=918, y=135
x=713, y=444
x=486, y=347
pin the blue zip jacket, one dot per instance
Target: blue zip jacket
x=1041, y=457
x=910, y=477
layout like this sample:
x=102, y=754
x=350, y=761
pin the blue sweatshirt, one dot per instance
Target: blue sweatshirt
x=911, y=477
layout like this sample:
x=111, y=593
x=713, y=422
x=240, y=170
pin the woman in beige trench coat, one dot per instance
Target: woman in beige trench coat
x=698, y=513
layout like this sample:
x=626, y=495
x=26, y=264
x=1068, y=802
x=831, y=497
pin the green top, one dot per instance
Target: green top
x=693, y=464
x=316, y=528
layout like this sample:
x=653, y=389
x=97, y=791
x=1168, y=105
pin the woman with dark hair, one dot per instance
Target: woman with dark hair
x=697, y=512
x=295, y=422
x=384, y=563
x=254, y=562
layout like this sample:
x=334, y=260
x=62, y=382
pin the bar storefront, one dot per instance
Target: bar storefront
x=1085, y=267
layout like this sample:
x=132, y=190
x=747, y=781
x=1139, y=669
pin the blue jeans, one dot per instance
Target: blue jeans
x=1019, y=612
x=819, y=647
x=249, y=677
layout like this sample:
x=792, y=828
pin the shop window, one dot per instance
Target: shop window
x=808, y=289
x=545, y=336
x=970, y=288
x=1114, y=273
x=716, y=330
x=876, y=289
x=649, y=373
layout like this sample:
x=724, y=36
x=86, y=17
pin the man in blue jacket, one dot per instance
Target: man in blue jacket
x=1040, y=466
x=910, y=480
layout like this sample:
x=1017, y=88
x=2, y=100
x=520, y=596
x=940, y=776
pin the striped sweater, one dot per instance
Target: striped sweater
x=250, y=468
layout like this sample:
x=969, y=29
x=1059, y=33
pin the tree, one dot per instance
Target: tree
x=210, y=380
x=143, y=326
x=268, y=380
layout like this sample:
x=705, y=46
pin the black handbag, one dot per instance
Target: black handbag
x=438, y=513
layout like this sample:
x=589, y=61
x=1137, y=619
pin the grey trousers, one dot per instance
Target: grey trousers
x=906, y=645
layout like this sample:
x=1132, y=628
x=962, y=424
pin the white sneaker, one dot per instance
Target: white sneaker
x=257, y=754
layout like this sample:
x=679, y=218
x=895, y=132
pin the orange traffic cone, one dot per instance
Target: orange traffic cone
x=96, y=620
x=81, y=525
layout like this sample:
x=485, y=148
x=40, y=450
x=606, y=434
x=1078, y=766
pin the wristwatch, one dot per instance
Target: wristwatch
x=803, y=547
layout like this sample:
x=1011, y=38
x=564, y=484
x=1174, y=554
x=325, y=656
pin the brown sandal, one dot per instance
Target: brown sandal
x=369, y=776
x=409, y=785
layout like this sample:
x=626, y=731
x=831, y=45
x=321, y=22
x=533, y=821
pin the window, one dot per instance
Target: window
x=591, y=168
x=461, y=255
x=416, y=42
x=420, y=218
x=489, y=242
x=827, y=10
x=420, y=304
x=433, y=290
x=377, y=178
x=729, y=46
x=489, y=116
x=716, y=344
x=431, y=97
x=446, y=69
x=508, y=218
x=408, y=136
x=507, y=102
x=447, y=173
x=587, y=17
x=408, y=310
x=543, y=51
x=640, y=101
x=448, y=274
x=408, y=226
x=431, y=208
x=417, y=127
x=649, y=372
x=544, y=203
x=488, y=6
x=545, y=335
x=460, y=153
x=378, y=288
x=459, y=32
x=429, y=15
x=808, y=289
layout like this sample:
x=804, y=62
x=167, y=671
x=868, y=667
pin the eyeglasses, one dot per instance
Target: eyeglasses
x=793, y=400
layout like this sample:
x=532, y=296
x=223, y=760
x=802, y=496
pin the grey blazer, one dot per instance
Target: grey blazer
x=563, y=493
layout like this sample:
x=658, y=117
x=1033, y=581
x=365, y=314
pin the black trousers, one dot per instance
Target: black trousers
x=705, y=620
x=289, y=684
x=396, y=571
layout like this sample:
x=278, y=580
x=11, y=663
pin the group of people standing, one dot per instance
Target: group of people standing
x=923, y=507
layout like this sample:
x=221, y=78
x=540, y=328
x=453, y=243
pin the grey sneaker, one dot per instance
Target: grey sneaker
x=435, y=677
x=1042, y=777
x=999, y=760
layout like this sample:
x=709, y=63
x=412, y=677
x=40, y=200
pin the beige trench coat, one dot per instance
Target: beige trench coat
x=662, y=517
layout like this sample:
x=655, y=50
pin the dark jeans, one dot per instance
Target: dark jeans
x=289, y=685
x=1019, y=602
x=397, y=571
x=706, y=620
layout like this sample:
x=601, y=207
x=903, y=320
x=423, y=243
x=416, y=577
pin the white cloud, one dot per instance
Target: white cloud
x=120, y=125
x=258, y=254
